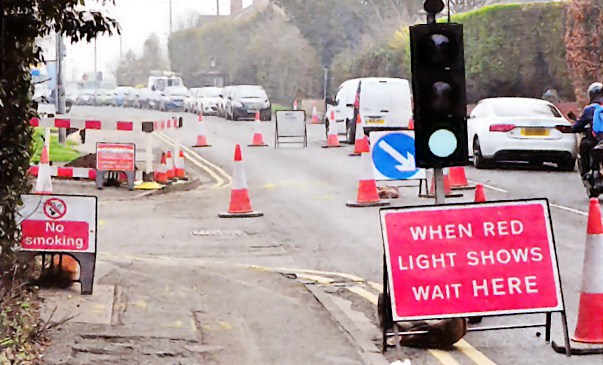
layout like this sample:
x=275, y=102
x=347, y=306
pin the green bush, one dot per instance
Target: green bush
x=58, y=152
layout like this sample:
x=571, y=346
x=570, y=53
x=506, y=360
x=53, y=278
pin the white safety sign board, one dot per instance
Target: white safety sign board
x=58, y=223
x=393, y=155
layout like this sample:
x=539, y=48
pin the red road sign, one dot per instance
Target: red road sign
x=115, y=156
x=55, y=208
x=473, y=259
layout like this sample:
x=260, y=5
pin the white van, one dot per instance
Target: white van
x=385, y=104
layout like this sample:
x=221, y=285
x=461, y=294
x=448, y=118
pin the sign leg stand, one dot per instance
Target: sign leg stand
x=440, y=194
x=100, y=179
x=87, y=263
x=547, y=330
x=148, y=173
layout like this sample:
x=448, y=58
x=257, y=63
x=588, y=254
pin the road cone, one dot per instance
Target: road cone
x=258, y=137
x=44, y=181
x=161, y=173
x=315, y=119
x=180, y=166
x=368, y=196
x=480, y=194
x=67, y=264
x=170, y=172
x=447, y=188
x=411, y=124
x=202, y=136
x=590, y=313
x=240, y=205
x=332, y=138
x=295, y=104
x=458, y=179
x=361, y=145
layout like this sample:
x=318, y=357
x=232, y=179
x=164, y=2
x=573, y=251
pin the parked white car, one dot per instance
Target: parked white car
x=385, y=104
x=190, y=103
x=208, y=99
x=520, y=129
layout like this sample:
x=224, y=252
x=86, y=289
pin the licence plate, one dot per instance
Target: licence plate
x=375, y=121
x=251, y=110
x=535, y=132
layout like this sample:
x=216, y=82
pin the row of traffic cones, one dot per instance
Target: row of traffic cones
x=258, y=136
x=171, y=168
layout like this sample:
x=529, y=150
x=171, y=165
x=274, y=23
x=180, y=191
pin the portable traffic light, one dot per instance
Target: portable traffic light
x=438, y=82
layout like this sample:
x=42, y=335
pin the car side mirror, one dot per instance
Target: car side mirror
x=330, y=101
x=230, y=98
x=153, y=87
x=222, y=96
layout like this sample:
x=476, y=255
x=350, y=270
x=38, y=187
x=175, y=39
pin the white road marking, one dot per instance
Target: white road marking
x=489, y=186
x=572, y=210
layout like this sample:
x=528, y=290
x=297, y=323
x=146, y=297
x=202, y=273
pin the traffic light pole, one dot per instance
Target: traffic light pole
x=440, y=193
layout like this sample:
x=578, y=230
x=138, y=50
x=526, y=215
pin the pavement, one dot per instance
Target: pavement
x=175, y=284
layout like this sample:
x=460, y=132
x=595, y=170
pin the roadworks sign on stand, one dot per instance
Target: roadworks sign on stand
x=61, y=224
x=290, y=128
x=466, y=260
x=393, y=155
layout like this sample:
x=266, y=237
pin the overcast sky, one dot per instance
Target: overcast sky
x=138, y=19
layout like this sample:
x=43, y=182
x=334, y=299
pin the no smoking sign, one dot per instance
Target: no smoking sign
x=55, y=208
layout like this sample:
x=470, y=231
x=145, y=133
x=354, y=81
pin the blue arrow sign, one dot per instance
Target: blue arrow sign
x=394, y=156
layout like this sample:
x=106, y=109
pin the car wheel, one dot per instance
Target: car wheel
x=478, y=159
x=567, y=164
x=350, y=134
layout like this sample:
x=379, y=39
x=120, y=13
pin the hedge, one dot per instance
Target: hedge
x=510, y=50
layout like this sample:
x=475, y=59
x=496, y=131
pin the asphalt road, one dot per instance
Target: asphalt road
x=303, y=194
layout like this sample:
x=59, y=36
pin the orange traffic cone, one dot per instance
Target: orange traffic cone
x=161, y=173
x=240, y=205
x=480, y=194
x=258, y=137
x=332, y=136
x=44, y=181
x=315, y=119
x=361, y=144
x=447, y=188
x=295, y=104
x=170, y=172
x=180, y=166
x=67, y=264
x=202, y=136
x=458, y=179
x=411, y=124
x=590, y=313
x=368, y=196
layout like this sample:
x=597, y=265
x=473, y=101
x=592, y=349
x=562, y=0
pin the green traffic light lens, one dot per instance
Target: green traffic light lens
x=442, y=143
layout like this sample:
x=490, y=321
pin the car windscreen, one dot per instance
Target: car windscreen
x=519, y=109
x=251, y=93
x=211, y=93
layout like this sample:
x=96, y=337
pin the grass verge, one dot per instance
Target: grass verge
x=58, y=152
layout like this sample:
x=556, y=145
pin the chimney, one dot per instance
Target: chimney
x=235, y=6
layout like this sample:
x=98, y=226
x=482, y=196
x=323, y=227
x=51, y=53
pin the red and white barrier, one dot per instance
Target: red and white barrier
x=93, y=124
x=66, y=172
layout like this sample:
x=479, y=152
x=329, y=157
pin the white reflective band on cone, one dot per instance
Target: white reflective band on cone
x=257, y=127
x=359, y=128
x=44, y=182
x=367, y=167
x=592, y=281
x=239, y=180
x=333, y=128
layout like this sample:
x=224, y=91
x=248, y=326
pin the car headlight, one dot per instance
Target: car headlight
x=267, y=104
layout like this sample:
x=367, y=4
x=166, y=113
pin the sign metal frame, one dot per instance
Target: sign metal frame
x=386, y=308
x=130, y=174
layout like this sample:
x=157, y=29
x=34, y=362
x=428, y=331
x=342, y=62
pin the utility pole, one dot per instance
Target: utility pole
x=95, y=71
x=218, y=7
x=170, y=16
x=60, y=88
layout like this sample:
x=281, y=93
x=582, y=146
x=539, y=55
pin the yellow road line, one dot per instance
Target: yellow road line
x=473, y=353
x=340, y=274
x=316, y=278
x=363, y=293
x=443, y=357
x=206, y=165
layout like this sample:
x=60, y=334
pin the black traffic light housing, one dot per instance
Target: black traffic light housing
x=440, y=105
